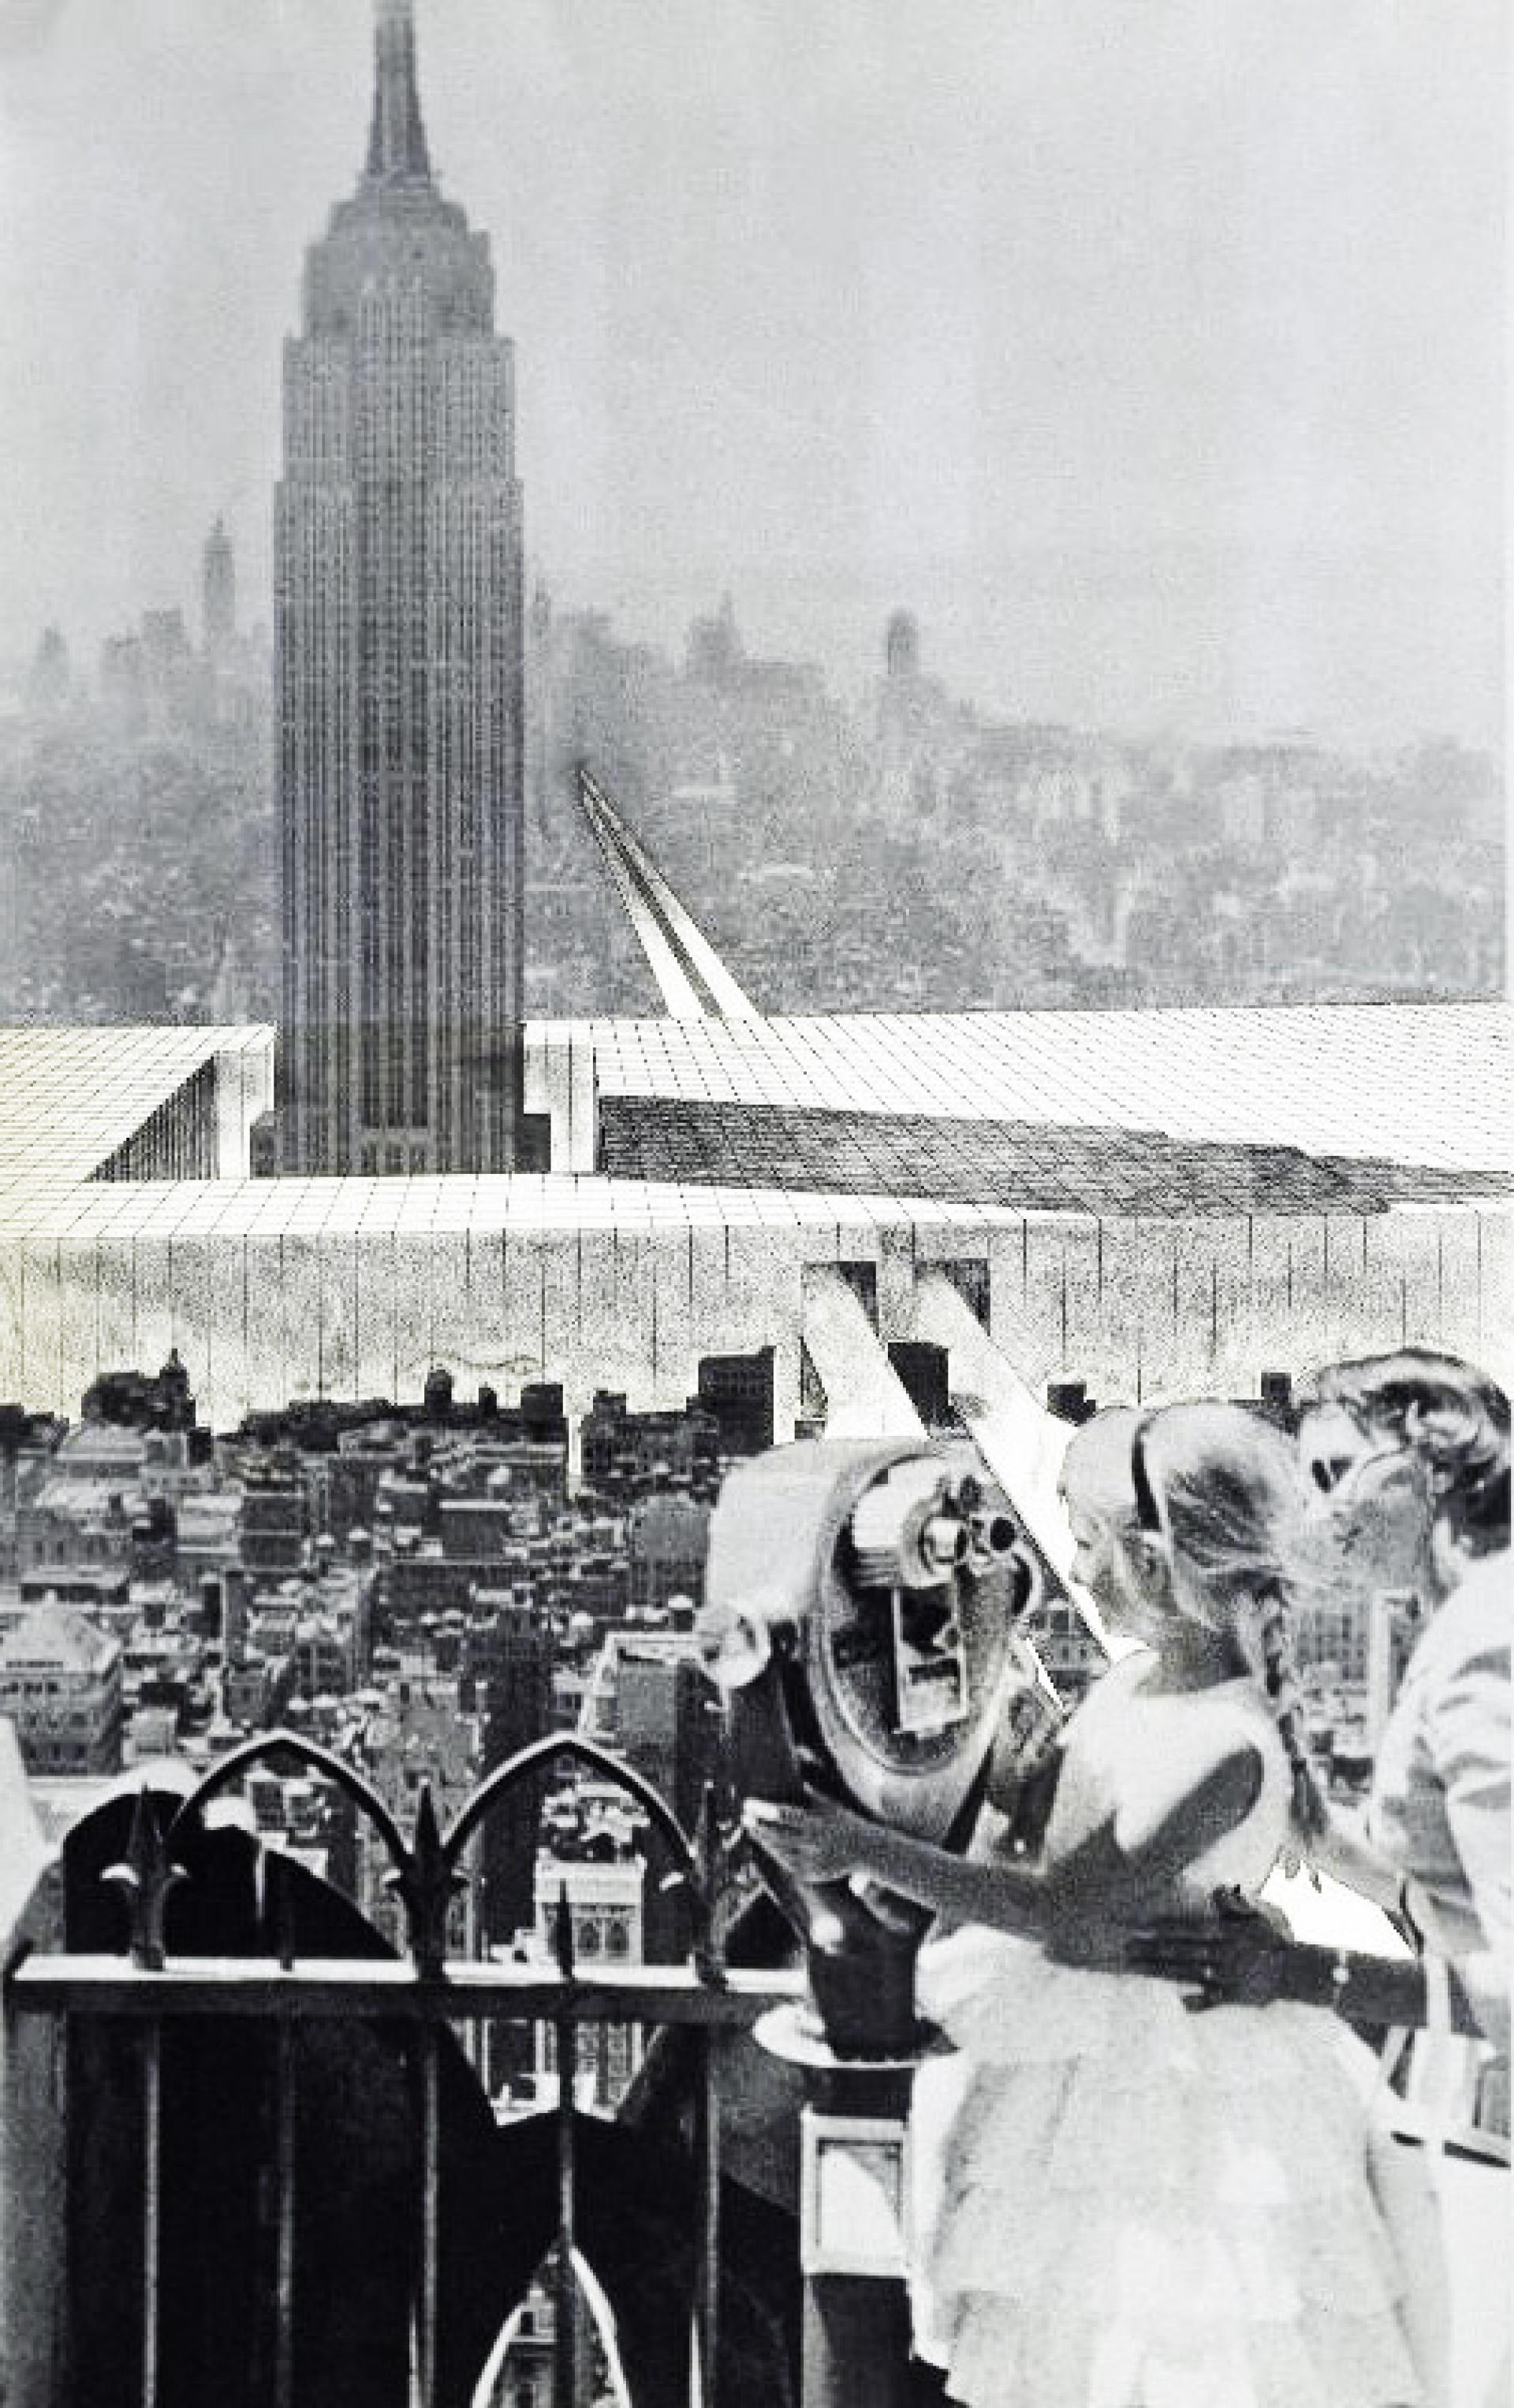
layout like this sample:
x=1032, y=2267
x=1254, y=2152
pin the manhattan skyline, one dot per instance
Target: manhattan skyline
x=1151, y=357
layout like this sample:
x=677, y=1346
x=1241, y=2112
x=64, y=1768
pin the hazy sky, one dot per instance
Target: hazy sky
x=1151, y=350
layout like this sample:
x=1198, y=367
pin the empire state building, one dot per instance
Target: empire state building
x=400, y=679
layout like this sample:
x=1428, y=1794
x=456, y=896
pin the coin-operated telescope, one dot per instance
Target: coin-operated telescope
x=861, y=1597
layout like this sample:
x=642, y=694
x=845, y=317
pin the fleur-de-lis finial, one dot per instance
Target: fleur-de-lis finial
x=708, y=1854
x=279, y=1907
x=425, y=1885
x=145, y=1874
x=562, y=1934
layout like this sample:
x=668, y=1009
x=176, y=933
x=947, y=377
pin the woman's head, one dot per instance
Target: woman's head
x=1405, y=1460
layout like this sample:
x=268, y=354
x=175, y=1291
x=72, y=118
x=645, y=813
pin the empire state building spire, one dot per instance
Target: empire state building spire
x=396, y=145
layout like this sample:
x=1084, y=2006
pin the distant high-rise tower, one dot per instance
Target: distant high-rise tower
x=399, y=661
x=218, y=593
x=902, y=645
x=50, y=686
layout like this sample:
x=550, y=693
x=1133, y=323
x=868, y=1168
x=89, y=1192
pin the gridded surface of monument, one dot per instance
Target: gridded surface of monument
x=1030, y=1165
x=73, y=1101
x=1428, y=1083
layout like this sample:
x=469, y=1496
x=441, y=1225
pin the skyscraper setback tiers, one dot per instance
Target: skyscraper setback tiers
x=399, y=662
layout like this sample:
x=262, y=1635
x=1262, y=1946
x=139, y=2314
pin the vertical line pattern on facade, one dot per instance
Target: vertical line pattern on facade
x=284, y=2269
x=152, y=2053
x=401, y=750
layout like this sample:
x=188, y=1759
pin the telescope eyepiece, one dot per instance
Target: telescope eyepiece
x=942, y=1541
x=994, y=1534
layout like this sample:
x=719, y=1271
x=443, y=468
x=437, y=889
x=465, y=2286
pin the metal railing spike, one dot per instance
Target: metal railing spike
x=280, y=1901
x=562, y=1935
x=148, y=1875
x=426, y=1884
x=708, y=1850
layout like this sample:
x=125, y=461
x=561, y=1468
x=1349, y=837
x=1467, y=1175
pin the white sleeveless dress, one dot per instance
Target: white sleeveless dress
x=1117, y=2203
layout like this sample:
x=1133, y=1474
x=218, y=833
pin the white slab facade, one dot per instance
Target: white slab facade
x=272, y=1289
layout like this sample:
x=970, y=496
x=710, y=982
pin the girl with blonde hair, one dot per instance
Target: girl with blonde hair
x=1404, y=1465
x=1141, y=2208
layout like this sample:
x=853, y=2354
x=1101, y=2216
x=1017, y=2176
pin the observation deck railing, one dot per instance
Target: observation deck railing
x=147, y=1990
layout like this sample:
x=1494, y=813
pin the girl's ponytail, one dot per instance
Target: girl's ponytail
x=1311, y=1813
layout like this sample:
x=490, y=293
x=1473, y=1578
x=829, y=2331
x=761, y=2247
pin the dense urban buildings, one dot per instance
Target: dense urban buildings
x=60, y=1689
x=1014, y=863
x=399, y=662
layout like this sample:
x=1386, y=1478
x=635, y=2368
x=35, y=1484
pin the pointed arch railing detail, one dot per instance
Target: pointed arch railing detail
x=426, y=1869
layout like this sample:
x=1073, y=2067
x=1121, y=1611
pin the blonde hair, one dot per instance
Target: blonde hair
x=1096, y=1467
x=1225, y=1490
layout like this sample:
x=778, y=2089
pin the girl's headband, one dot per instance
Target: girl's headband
x=1147, y=1517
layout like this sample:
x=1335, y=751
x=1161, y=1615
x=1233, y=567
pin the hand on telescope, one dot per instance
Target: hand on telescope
x=817, y=1841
